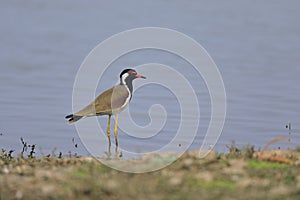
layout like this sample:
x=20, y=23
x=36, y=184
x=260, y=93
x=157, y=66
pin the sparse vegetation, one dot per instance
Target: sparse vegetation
x=25, y=148
x=243, y=172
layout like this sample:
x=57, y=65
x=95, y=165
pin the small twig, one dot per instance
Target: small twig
x=278, y=139
x=24, y=148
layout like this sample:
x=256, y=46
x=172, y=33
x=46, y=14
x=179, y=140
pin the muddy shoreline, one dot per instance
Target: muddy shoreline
x=271, y=174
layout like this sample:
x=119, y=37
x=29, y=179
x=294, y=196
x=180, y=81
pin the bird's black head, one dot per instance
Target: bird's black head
x=129, y=74
x=125, y=71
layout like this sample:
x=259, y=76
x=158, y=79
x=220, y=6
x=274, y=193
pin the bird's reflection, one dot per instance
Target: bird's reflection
x=117, y=154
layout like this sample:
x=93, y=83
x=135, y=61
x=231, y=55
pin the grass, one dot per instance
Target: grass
x=220, y=184
x=267, y=165
x=243, y=172
x=80, y=173
x=165, y=160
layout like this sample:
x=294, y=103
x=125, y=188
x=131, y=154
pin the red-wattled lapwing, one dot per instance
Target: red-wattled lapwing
x=110, y=102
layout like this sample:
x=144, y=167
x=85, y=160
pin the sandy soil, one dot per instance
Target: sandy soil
x=240, y=174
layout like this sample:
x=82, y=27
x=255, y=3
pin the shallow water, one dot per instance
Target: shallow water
x=255, y=45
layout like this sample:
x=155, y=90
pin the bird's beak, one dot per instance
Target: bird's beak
x=139, y=76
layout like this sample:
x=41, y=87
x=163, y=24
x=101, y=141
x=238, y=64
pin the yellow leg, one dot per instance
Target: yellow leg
x=108, y=130
x=116, y=129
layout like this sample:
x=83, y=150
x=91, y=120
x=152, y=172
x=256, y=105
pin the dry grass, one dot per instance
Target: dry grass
x=218, y=176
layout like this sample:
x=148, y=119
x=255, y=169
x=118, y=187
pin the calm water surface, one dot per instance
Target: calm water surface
x=256, y=46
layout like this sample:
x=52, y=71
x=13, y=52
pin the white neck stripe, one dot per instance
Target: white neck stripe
x=124, y=76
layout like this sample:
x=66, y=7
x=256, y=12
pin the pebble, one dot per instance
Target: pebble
x=175, y=181
x=298, y=181
x=205, y=176
x=88, y=159
x=19, y=195
x=188, y=162
x=111, y=185
x=48, y=189
x=5, y=170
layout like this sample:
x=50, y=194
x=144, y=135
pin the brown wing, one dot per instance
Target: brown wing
x=107, y=101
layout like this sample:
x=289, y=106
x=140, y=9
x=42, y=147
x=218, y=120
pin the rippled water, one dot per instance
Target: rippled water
x=256, y=46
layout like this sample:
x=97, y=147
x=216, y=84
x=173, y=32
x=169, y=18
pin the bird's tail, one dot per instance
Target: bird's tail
x=73, y=118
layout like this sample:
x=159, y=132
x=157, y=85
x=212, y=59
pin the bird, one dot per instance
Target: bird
x=110, y=102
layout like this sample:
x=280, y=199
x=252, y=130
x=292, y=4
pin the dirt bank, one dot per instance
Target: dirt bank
x=238, y=175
